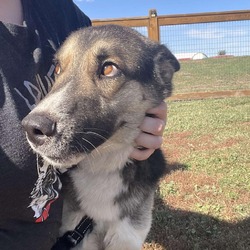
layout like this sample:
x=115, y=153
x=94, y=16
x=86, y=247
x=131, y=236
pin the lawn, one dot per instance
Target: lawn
x=213, y=74
x=204, y=202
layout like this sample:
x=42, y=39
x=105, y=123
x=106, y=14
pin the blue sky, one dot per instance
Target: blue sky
x=99, y=9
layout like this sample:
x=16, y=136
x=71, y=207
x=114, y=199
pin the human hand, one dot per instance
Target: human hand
x=152, y=129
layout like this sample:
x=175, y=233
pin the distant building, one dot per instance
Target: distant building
x=191, y=56
x=199, y=56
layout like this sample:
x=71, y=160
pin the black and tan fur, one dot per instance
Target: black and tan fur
x=91, y=119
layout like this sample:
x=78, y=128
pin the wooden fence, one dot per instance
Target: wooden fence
x=153, y=21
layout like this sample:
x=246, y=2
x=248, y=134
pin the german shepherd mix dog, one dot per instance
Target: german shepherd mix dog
x=107, y=77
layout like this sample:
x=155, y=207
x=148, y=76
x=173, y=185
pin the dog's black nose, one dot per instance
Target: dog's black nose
x=38, y=128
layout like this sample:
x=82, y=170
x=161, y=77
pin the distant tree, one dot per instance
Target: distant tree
x=221, y=53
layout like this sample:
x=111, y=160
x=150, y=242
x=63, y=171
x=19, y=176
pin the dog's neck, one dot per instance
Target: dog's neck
x=105, y=159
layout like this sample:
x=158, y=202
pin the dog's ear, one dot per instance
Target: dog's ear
x=165, y=64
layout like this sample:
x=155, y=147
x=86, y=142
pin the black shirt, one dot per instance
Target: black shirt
x=26, y=75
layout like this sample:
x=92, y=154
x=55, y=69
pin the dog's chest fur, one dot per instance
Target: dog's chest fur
x=104, y=193
x=98, y=181
x=97, y=192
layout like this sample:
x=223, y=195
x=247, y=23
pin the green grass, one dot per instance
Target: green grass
x=218, y=131
x=213, y=74
x=204, y=203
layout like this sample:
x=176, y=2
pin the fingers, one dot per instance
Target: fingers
x=154, y=126
x=141, y=155
x=159, y=111
x=152, y=129
x=148, y=141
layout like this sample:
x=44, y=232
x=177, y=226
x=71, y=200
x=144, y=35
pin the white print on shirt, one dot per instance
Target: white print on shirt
x=31, y=87
x=45, y=191
x=38, y=90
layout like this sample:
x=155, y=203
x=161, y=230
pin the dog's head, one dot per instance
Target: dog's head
x=105, y=79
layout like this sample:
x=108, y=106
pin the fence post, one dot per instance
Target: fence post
x=153, y=27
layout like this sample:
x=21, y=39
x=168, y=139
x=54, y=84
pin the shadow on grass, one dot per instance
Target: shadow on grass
x=183, y=230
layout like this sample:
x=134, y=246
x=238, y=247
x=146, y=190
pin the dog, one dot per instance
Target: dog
x=106, y=78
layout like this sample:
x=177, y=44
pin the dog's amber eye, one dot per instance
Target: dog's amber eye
x=58, y=69
x=109, y=69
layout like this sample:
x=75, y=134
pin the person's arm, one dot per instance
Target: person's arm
x=83, y=20
x=152, y=129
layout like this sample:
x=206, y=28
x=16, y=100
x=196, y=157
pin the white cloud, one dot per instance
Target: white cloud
x=215, y=33
x=87, y=1
x=205, y=33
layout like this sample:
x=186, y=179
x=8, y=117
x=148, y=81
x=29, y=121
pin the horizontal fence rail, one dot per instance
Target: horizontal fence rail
x=152, y=22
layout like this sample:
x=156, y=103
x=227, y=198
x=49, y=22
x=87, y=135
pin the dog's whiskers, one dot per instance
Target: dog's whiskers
x=93, y=133
x=131, y=127
x=96, y=134
x=87, y=156
x=81, y=146
x=92, y=128
x=91, y=144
